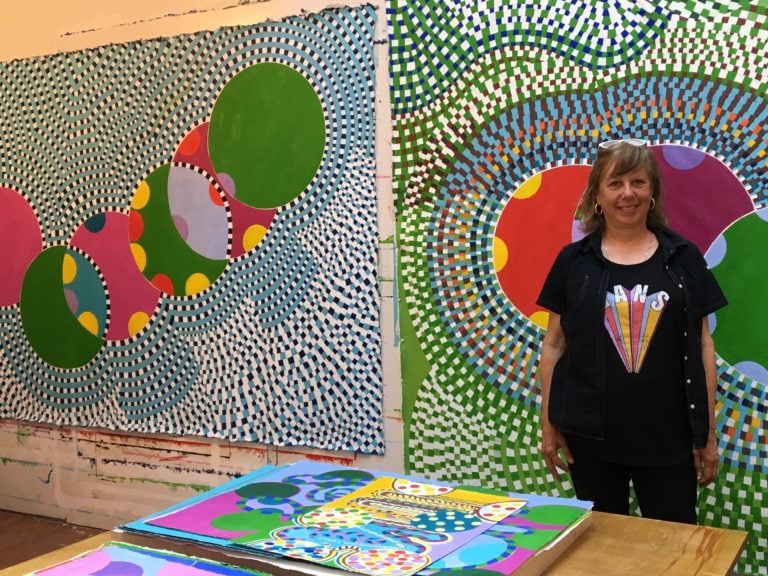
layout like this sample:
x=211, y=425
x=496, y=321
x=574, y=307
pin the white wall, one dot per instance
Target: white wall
x=102, y=478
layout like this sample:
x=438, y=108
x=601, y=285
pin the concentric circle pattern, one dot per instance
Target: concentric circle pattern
x=498, y=111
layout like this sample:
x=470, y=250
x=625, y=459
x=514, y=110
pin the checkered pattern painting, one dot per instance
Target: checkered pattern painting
x=498, y=108
x=188, y=229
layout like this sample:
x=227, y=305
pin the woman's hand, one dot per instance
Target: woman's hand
x=557, y=456
x=705, y=461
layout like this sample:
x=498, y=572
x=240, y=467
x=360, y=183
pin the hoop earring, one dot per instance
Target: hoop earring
x=598, y=209
x=653, y=203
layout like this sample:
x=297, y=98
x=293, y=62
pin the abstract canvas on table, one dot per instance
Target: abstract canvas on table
x=389, y=526
x=188, y=235
x=249, y=507
x=365, y=521
x=121, y=559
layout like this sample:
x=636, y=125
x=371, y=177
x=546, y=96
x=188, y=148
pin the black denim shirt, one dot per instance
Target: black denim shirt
x=575, y=289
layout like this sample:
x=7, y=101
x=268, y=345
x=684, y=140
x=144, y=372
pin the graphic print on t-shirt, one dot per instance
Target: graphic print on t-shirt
x=631, y=318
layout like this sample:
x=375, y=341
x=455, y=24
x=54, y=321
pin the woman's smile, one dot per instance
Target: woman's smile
x=625, y=198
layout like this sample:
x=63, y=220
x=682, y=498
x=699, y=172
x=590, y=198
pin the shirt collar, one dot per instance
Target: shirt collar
x=668, y=240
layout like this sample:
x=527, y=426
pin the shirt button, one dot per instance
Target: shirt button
x=688, y=381
x=679, y=285
x=693, y=406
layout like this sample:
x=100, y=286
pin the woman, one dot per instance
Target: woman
x=627, y=367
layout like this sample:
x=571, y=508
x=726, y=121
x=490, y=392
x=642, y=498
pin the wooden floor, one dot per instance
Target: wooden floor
x=23, y=536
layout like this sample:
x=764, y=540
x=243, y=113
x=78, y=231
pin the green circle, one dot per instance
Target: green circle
x=741, y=326
x=277, y=490
x=267, y=132
x=51, y=329
x=167, y=253
x=252, y=522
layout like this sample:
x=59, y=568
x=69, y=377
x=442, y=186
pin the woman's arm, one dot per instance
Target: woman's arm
x=552, y=440
x=705, y=459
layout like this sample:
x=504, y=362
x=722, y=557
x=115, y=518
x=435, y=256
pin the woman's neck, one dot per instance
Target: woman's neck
x=631, y=246
x=626, y=235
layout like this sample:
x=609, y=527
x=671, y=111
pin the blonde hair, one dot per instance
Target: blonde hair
x=621, y=159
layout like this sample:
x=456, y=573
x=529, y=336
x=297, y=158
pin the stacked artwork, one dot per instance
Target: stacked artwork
x=121, y=559
x=364, y=521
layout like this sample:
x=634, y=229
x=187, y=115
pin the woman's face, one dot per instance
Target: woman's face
x=625, y=199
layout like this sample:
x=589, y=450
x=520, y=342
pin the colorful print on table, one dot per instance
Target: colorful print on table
x=121, y=559
x=364, y=521
x=184, y=219
x=498, y=108
x=390, y=526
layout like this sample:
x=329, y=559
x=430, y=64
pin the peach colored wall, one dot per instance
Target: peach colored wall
x=102, y=478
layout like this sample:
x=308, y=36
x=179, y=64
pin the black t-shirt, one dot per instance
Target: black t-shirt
x=646, y=417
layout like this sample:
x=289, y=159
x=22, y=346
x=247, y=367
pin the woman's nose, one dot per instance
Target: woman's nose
x=626, y=189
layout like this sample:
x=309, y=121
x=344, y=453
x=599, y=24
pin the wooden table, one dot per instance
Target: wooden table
x=611, y=545
x=630, y=546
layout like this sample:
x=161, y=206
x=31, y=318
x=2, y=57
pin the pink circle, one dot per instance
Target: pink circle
x=129, y=291
x=20, y=241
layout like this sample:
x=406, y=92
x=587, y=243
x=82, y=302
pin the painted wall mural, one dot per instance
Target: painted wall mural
x=188, y=235
x=498, y=108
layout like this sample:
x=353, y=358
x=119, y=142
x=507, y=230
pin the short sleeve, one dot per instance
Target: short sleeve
x=552, y=295
x=706, y=291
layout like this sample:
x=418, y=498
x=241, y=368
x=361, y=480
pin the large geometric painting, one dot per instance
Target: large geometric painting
x=498, y=108
x=188, y=235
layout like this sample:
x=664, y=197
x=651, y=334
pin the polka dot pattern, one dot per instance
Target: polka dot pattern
x=446, y=521
x=336, y=518
x=389, y=562
x=498, y=511
x=420, y=488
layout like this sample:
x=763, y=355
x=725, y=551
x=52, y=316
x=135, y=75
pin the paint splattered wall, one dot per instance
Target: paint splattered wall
x=497, y=110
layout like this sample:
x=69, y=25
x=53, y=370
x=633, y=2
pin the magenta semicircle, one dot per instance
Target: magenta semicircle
x=702, y=196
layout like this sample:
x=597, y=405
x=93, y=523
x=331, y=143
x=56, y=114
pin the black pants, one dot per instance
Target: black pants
x=664, y=493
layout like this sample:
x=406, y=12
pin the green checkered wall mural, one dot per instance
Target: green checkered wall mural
x=497, y=110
